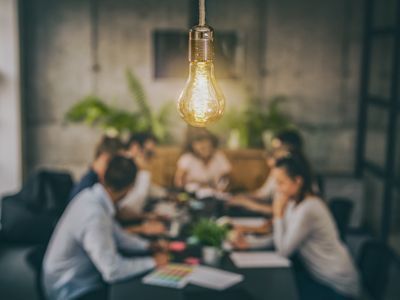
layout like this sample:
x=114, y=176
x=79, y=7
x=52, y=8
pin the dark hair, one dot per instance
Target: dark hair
x=141, y=138
x=195, y=134
x=296, y=165
x=290, y=138
x=120, y=173
x=109, y=145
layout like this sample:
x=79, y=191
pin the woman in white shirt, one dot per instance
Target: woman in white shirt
x=202, y=164
x=304, y=227
x=285, y=142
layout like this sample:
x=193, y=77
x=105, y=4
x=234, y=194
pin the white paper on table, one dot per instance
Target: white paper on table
x=214, y=278
x=248, y=221
x=202, y=193
x=256, y=241
x=265, y=259
x=166, y=209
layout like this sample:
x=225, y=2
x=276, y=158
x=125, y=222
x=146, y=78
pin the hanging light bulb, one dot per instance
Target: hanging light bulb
x=201, y=101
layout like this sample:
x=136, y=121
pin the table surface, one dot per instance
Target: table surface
x=259, y=283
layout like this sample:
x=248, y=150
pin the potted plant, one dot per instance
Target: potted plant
x=93, y=111
x=211, y=236
x=253, y=125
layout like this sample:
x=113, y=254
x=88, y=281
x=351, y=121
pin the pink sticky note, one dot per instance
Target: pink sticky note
x=192, y=261
x=177, y=246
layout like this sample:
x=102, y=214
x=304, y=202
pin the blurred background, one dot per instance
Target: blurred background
x=72, y=69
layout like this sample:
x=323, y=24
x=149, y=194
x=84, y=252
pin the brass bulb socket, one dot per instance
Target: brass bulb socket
x=201, y=43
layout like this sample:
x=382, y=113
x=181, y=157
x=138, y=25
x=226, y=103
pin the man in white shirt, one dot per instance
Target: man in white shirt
x=141, y=148
x=83, y=251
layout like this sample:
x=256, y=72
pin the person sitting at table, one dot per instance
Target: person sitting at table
x=202, y=164
x=284, y=143
x=304, y=227
x=105, y=150
x=83, y=253
x=141, y=148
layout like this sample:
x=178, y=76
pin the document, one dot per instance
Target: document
x=264, y=259
x=248, y=221
x=213, y=278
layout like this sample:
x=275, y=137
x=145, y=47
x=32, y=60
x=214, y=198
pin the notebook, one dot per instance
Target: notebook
x=172, y=275
x=264, y=259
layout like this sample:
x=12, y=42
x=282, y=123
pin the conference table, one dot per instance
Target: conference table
x=258, y=284
x=276, y=283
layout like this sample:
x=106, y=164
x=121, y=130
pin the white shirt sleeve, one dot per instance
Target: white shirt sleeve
x=289, y=234
x=223, y=163
x=185, y=161
x=127, y=241
x=267, y=189
x=136, y=198
x=99, y=243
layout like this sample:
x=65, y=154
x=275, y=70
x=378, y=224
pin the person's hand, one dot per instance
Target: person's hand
x=141, y=161
x=279, y=205
x=161, y=259
x=153, y=228
x=159, y=246
x=239, y=241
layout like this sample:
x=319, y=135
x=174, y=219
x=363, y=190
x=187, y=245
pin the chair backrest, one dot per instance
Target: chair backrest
x=47, y=190
x=31, y=215
x=35, y=261
x=374, y=262
x=341, y=209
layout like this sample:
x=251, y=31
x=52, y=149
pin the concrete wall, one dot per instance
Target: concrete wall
x=313, y=57
x=10, y=117
x=308, y=51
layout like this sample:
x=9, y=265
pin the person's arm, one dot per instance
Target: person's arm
x=99, y=242
x=225, y=167
x=151, y=227
x=126, y=241
x=287, y=239
x=250, y=204
x=255, y=206
x=182, y=166
x=266, y=190
x=134, y=201
x=180, y=178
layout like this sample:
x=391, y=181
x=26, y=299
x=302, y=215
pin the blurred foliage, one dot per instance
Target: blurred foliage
x=94, y=112
x=209, y=233
x=252, y=120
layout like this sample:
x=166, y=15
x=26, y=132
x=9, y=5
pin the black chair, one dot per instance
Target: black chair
x=35, y=261
x=30, y=215
x=341, y=209
x=374, y=262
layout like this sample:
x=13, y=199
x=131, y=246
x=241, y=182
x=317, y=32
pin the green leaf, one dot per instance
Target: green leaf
x=92, y=111
x=138, y=94
x=88, y=110
x=210, y=233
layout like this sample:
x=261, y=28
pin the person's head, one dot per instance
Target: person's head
x=105, y=150
x=201, y=143
x=288, y=139
x=276, y=154
x=142, y=143
x=119, y=177
x=293, y=177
